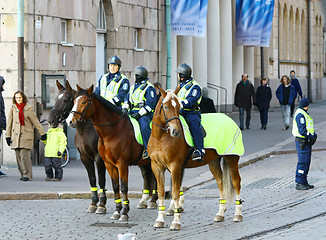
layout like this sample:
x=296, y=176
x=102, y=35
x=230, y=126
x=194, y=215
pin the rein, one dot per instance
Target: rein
x=166, y=128
x=82, y=115
x=65, y=112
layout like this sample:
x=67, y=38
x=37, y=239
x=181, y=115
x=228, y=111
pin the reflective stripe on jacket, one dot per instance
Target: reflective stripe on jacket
x=309, y=124
x=185, y=91
x=110, y=91
x=137, y=97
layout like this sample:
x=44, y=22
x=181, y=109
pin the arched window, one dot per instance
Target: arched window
x=303, y=37
x=285, y=34
x=297, y=46
x=101, y=21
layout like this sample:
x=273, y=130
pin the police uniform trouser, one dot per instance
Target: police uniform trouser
x=144, y=122
x=193, y=120
x=304, y=158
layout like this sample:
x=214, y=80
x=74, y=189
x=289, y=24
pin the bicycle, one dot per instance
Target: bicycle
x=65, y=157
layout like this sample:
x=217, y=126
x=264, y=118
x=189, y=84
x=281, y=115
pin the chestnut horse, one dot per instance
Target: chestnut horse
x=168, y=149
x=117, y=144
x=86, y=140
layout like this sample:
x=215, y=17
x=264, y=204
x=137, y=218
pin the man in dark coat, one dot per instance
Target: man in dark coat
x=206, y=104
x=296, y=85
x=2, y=112
x=244, y=97
x=263, y=98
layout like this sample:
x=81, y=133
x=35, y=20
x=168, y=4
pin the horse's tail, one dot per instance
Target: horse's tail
x=228, y=188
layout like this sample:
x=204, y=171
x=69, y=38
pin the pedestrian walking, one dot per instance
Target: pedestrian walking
x=263, y=98
x=305, y=137
x=206, y=104
x=2, y=113
x=296, y=84
x=55, y=145
x=244, y=97
x=20, y=134
x=285, y=94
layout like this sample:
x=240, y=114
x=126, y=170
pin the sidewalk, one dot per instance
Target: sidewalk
x=258, y=143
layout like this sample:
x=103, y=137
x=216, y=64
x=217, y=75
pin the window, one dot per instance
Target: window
x=63, y=31
x=138, y=40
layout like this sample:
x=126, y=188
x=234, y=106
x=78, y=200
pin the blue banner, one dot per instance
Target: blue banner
x=188, y=17
x=254, y=20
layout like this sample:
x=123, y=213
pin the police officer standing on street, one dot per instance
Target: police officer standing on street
x=113, y=86
x=189, y=96
x=141, y=100
x=305, y=137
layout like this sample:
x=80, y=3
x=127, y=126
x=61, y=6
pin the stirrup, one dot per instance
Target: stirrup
x=145, y=155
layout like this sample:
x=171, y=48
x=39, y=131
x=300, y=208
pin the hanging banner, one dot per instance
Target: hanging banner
x=189, y=17
x=254, y=20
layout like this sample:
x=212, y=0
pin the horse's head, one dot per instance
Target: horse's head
x=168, y=112
x=63, y=104
x=82, y=109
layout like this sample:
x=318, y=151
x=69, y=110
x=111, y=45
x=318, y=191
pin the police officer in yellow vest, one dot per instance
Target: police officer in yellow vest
x=141, y=100
x=189, y=96
x=113, y=86
x=305, y=137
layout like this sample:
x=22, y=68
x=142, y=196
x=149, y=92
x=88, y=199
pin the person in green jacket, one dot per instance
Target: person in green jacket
x=55, y=144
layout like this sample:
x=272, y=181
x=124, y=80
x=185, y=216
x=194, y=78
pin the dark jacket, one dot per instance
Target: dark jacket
x=296, y=84
x=263, y=97
x=207, y=105
x=244, y=95
x=2, y=107
x=279, y=94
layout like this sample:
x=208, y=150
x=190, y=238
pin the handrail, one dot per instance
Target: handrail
x=216, y=87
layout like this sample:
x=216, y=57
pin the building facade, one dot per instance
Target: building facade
x=74, y=39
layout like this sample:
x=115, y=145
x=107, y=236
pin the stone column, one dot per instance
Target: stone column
x=200, y=60
x=249, y=62
x=213, y=48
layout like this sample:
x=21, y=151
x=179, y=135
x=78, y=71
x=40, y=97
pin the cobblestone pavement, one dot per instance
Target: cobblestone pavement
x=273, y=209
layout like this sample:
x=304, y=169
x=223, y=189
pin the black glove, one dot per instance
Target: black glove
x=136, y=116
x=125, y=110
x=43, y=137
x=59, y=153
x=8, y=140
x=312, y=140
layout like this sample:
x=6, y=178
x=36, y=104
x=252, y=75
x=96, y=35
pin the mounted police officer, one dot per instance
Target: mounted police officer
x=189, y=96
x=305, y=137
x=113, y=86
x=141, y=100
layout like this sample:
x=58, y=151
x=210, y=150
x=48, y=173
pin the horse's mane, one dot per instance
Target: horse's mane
x=169, y=94
x=107, y=104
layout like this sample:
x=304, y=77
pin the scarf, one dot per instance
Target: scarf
x=21, y=113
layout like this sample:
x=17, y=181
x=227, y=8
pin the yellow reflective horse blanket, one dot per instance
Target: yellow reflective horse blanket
x=222, y=134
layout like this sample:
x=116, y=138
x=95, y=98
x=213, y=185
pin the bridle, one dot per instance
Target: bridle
x=82, y=114
x=166, y=127
x=63, y=114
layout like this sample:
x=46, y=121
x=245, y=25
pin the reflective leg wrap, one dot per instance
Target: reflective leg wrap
x=161, y=208
x=155, y=192
x=118, y=205
x=125, y=208
x=222, y=207
x=178, y=210
x=103, y=196
x=238, y=207
x=94, y=195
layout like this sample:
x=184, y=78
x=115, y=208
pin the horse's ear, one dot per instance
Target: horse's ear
x=59, y=85
x=78, y=88
x=177, y=90
x=163, y=93
x=89, y=91
x=69, y=88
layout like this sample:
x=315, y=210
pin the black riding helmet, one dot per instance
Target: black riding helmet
x=115, y=60
x=184, y=71
x=141, y=73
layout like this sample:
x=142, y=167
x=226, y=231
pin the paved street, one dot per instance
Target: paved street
x=273, y=209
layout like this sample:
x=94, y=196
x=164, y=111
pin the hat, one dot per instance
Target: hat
x=304, y=102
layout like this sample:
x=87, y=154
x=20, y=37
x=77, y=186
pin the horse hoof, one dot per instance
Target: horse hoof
x=175, y=226
x=219, y=218
x=141, y=205
x=91, y=208
x=101, y=210
x=170, y=212
x=123, y=218
x=159, y=224
x=115, y=216
x=237, y=218
x=152, y=205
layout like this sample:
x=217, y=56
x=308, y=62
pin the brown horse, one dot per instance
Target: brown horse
x=86, y=140
x=168, y=149
x=117, y=144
